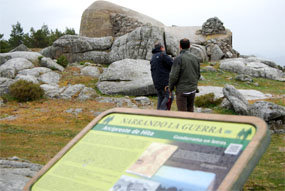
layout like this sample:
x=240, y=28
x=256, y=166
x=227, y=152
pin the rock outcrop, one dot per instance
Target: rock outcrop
x=127, y=77
x=136, y=45
x=15, y=173
x=10, y=68
x=254, y=67
x=267, y=111
x=77, y=48
x=102, y=18
x=175, y=33
x=31, y=56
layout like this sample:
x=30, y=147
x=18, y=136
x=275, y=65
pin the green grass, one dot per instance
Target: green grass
x=221, y=78
x=269, y=174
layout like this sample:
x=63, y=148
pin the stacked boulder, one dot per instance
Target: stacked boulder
x=213, y=26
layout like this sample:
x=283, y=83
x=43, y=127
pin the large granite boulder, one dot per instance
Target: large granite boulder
x=136, y=45
x=10, y=68
x=77, y=48
x=254, y=67
x=31, y=56
x=127, y=77
x=238, y=101
x=103, y=18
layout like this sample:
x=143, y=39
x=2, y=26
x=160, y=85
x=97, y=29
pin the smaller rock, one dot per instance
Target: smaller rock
x=71, y=91
x=202, y=78
x=226, y=104
x=90, y=71
x=36, y=72
x=237, y=100
x=52, y=91
x=243, y=78
x=21, y=47
x=49, y=63
x=27, y=78
x=5, y=84
x=74, y=111
x=203, y=110
x=50, y=78
x=142, y=100
x=210, y=69
x=87, y=93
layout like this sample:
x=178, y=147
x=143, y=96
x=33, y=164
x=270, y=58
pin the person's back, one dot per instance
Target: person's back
x=160, y=68
x=161, y=65
x=189, y=72
x=184, y=75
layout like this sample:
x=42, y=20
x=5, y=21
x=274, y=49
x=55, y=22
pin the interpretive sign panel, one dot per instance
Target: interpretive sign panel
x=127, y=149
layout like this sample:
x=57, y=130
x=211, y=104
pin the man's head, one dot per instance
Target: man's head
x=184, y=43
x=158, y=45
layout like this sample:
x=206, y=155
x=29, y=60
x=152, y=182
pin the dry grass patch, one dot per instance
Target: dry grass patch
x=42, y=128
x=71, y=75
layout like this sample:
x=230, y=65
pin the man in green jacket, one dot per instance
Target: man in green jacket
x=184, y=75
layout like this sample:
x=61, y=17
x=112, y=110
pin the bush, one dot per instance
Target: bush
x=26, y=91
x=62, y=60
x=207, y=100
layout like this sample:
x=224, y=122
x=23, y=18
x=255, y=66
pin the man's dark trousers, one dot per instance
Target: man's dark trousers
x=163, y=97
x=185, y=102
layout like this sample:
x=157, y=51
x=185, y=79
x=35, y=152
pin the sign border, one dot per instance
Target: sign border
x=235, y=178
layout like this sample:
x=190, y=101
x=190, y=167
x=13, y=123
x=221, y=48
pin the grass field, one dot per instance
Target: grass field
x=41, y=128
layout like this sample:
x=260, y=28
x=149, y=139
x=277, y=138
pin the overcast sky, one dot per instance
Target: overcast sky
x=258, y=26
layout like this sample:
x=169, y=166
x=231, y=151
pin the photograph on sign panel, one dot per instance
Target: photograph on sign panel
x=203, y=158
x=152, y=159
x=131, y=183
x=182, y=179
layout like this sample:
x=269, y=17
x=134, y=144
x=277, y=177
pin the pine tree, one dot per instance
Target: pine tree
x=16, y=36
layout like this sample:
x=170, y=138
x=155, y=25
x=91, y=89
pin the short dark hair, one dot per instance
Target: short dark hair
x=185, y=43
x=158, y=45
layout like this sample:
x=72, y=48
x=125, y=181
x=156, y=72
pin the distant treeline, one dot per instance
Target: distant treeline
x=40, y=38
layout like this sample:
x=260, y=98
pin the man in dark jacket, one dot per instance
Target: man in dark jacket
x=184, y=75
x=160, y=67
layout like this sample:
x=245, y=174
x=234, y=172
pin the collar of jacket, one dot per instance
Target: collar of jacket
x=184, y=50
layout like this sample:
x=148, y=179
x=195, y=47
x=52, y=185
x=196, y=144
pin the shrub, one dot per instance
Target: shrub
x=40, y=58
x=207, y=100
x=26, y=91
x=62, y=60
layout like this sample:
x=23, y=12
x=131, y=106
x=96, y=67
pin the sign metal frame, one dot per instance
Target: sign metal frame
x=235, y=178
